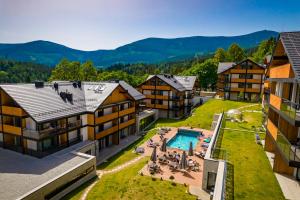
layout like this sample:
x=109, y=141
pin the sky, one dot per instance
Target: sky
x=108, y=24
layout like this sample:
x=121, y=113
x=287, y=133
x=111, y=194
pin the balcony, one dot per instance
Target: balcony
x=128, y=123
x=189, y=96
x=127, y=111
x=237, y=89
x=159, y=106
x=253, y=90
x=74, y=124
x=15, y=111
x=275, y=101
x=282, y=71
x=114, y=115
x=238, y=71
x=106, y=132
x=290, y=109
x=40, y=134
x=290, y=152
x=107, y=117
x=148, y=87
x=151, y=96
x=175, y=97
x=11, y=129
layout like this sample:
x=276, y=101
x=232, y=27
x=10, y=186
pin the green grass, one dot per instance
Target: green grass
x=202, y=117
x=127, y=154
x=129, y=185
x=76, y=194
x=253, y=175
x=249, y=170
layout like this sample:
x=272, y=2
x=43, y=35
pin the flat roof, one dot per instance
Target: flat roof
x=20, y=174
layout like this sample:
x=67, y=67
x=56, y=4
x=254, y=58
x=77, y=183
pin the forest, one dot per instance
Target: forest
x=204, y=67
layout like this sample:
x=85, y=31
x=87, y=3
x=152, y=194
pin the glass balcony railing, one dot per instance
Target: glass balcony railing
x=291, y=152
x=290, y=109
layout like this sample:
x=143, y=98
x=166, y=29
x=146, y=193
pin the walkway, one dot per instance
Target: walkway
x=247, y=106
x=289, y=186
x=100, y=173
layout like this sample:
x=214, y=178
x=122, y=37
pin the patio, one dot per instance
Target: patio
x=189, y=177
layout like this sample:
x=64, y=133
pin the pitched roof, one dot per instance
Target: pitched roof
x=223, y=66
x=180, y=83
x=45, y=103
x=132, y=91
x=291, y=44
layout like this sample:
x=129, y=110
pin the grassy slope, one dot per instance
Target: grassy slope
x=248, y=158
x=128, y=184
x=253, y=176
x=127, y=154
x=202, y=116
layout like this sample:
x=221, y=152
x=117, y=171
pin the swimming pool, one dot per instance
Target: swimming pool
x=183, y=138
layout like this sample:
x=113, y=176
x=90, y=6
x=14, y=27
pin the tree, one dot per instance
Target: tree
x=88, y=71
x=265, y=48
x=220, y=55
x=3, y=76
x=206, y=73
x=236, y=53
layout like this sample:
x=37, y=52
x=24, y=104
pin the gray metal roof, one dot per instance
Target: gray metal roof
x=291, y=44
x=45, y=103
x=223, y=66
x=181, y=83
x=132, y=91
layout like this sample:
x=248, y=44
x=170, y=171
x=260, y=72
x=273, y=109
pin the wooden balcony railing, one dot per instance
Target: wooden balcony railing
x=275, y=101
x=282, y=71
x=12, y=129
x=10, y=110
x=106, y=132
x=127, y=111
x=148, y=87
x=125, y=124
x=272, y=129
x=105, y=118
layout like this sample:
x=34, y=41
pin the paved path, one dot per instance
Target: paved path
x=100, y=173
x=248, y=106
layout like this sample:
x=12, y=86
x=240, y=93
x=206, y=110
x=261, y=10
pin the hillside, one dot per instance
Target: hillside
x=150, y=50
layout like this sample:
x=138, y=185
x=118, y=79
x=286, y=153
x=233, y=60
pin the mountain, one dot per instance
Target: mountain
x=150, y=50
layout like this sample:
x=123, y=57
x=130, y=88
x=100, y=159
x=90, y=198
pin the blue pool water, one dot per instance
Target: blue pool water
x=183, y=138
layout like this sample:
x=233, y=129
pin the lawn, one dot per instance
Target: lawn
x=127, y=154
x=128, y=184
x=253, y=175
x=202, y=117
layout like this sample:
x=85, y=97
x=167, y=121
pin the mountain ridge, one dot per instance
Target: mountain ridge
x=148, y=50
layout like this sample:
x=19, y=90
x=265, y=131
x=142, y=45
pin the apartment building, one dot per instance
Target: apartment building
x=283, y=117
x=172, y=96
x=42, y=118
x=240, y=81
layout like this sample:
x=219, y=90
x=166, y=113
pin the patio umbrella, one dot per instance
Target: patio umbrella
x=191, y=149
x=153, y=155
x=183, y=161
x=163, y=147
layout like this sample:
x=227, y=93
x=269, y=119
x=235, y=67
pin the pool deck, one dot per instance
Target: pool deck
x=190, y=178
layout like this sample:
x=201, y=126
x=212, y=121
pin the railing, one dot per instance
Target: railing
x=12, y=129
x=292, y=153
x=175, y=98
x=39, y=134
x=188, y=96
x=74, y=124
x=275, y=101
x=290, y=109
x=10, y=110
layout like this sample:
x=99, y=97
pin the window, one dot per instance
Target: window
x=241, y=85
x=249, y=85
x=152, y=101
x=100, y=113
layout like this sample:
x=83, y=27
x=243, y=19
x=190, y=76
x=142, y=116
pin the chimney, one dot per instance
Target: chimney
x=39, y=84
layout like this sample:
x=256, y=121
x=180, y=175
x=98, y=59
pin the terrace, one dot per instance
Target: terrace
x=189, y=177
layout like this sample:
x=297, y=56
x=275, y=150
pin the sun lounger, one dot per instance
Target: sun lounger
x=207, y=140
x=200, y=154
x=205, y=145
x=140, y=150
